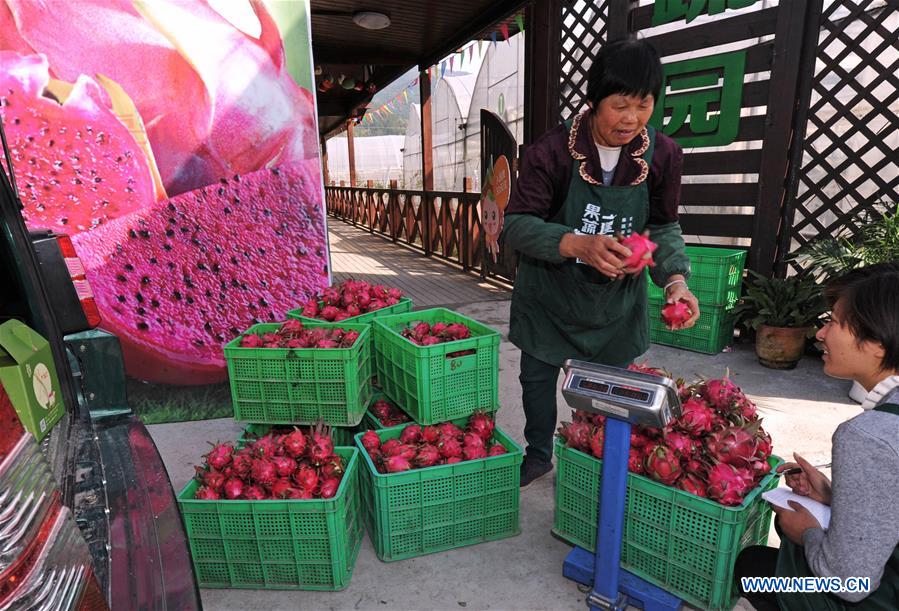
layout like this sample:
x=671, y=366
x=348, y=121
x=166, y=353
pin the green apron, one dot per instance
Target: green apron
x=571, y=311
x=791, y=562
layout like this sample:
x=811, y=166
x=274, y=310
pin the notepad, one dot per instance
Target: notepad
x=780, y=496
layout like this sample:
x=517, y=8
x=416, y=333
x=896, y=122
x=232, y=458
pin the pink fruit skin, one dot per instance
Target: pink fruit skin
x=676, y=313
x=209, y=120
x=77, y=165
x=174, y=342
x=641, y=252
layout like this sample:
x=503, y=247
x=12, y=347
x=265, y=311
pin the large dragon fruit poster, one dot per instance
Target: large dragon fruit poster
x=176, y=142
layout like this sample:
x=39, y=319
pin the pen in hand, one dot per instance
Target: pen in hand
x=798, y=470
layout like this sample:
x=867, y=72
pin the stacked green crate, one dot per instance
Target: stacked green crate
x=301, y=385
x=404, y=305
x=715, y=280
x=443, y=381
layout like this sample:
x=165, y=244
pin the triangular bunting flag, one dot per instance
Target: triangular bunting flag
x=504, y=28
x=406, y=95
x=493, y=38
x=519, y=21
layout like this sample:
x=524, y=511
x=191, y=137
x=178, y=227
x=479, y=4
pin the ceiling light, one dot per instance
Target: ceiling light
x=371, y=20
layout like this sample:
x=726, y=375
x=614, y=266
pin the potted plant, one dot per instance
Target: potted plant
x=876, y=241
x=783, y=312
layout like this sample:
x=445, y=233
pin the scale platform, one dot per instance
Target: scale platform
x=625, y=397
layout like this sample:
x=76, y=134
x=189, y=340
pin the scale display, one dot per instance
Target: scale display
x=634, y=396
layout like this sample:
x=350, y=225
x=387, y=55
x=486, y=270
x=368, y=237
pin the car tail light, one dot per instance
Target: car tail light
x=79, y=279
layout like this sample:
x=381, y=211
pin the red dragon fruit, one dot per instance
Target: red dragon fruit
x=763, y=444
x=662, y=464
x=263, y=472
x=682, y=444
x=175, y=280
x=321, y=446
x=676, y=314
x=333, y=468
x=251, y=340
x=294, y=443
x=726, y=485
x=427, y=456
x=472, y=440
x=284, y=465
x=481, y=424
x=255, y=493
x=696, y=417
x=430, y=434
x=371, y=441
x=233, y=488
x=389, y=446
x=306, y=477
x=693, y=484
x=733, y=445
x=450, y=447
x=576, y=435
x=281, y=488
x=243, y=462
x=448, y=429
x=721, y=393
x=78, y=165
x=497, y=449
x=211, y=478
x=411, y=434
x=597, y=441
x=220, y=456
x=635, y=461
x=329, y=487
x=641, y=249
x=395, y=464
x=474, y=452
x=205, y=493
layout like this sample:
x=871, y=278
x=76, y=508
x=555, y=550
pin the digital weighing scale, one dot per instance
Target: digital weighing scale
x=625, y=398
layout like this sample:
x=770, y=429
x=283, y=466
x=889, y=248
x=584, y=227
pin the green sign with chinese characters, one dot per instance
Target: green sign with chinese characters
x=690, y=89
x=666, y=11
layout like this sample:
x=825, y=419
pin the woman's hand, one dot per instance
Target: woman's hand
x=794, y=523
x=603, y=253
x=811, y=482
x=679, y=292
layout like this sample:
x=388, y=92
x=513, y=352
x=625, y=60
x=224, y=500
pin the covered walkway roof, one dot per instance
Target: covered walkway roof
x=421, y=33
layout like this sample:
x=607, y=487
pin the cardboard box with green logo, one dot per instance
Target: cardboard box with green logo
x=29, y=377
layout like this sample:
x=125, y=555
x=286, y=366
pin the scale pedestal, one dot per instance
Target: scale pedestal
x=624, y=397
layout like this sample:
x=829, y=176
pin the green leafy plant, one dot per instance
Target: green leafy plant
x=781, y=302
x=876, y=241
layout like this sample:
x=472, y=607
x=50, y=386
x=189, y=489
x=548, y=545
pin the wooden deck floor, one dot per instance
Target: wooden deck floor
x=355, y=253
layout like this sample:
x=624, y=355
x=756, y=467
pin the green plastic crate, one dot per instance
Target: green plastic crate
x=680, y=542
x=340, y=435
x=301, y=385
x=712, y=332
x=404, y=305
x=277, y=545
x=428, y=381
x=715, y=277
x=430, y=510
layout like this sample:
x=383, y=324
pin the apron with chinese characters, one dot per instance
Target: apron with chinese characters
x=570, y=310
x=791, y=562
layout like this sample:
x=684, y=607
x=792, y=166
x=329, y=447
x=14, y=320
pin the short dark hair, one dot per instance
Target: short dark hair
x=870, y=296
x=629, y=66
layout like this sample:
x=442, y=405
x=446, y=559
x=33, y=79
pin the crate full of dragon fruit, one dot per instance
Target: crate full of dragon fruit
x=693, y=491
x=301, y=372
x=432, y=488
x=275, y=511
x=437, y=364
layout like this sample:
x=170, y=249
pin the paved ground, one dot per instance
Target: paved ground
x=801, y=408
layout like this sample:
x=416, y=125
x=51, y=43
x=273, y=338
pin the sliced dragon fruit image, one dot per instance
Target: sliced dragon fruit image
x=182, y=158
x=77, y=165
x=178, y=279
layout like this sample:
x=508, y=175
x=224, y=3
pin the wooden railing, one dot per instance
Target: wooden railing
x=442, y=224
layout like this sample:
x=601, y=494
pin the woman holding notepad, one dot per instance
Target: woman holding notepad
x=861, y=342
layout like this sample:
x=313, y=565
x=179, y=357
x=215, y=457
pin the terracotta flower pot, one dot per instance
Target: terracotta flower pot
x=780, y=347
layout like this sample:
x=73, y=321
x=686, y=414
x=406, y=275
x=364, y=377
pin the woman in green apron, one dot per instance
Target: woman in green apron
x=602, y=174
x=861, y=343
